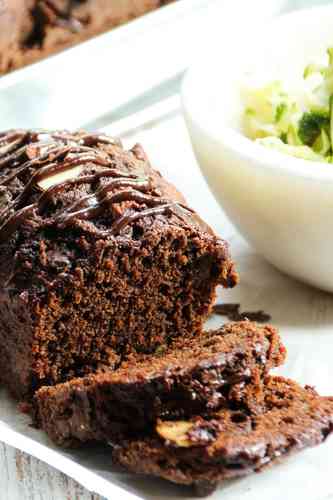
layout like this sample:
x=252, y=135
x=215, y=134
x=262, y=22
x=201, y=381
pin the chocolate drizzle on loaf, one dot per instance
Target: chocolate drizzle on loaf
x=47, y=154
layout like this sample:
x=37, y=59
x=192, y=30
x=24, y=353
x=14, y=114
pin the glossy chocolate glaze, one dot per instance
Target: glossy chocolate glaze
x=47, y=154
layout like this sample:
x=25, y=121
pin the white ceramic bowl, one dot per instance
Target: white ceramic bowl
x=282, y=205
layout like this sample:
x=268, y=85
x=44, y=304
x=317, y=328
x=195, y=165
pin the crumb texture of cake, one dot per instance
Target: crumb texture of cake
x=204, y=451
x=100, y=257
x=33, y=29
x=214, y=369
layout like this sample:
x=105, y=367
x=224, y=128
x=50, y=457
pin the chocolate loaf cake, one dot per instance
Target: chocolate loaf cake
x=213, y=369
x=33, y=29
x=100, y=257
x=229, y=443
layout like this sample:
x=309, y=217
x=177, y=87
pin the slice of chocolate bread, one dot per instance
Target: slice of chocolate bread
x=33, y=29
x=99, y=257
x=213, y=369
x=229, y=443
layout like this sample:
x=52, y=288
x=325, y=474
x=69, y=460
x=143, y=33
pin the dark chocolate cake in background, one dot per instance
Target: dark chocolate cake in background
x=206, y=450
x=33, y=29
x=100, y=257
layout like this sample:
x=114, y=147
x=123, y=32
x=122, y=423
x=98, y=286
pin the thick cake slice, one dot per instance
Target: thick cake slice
x=203, y=451
x=214, y=369
x=100, y=257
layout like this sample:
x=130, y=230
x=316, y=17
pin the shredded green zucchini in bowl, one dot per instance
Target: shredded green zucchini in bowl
x=296, y=123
